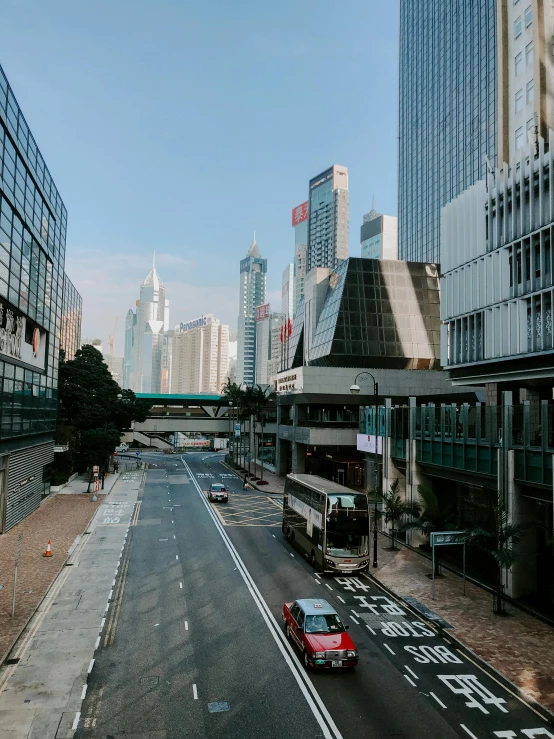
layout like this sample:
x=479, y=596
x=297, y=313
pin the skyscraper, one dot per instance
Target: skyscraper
x=72, y=314
x=379, y=236
x=144, y=331
x=300, y=216
x=328, y=218
x=268, y=344
x=447, y=112
x=287, y=291
x=253, y=270
x=200, y=356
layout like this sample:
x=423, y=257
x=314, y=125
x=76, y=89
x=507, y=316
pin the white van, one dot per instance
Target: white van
x=122, y=448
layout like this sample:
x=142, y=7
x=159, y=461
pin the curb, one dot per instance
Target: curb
x=17, y=637
x=251, y=484
x=546, y=714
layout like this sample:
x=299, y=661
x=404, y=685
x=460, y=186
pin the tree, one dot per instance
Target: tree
x=89, y=408
x=498, y=544
x=395, y=508
x=432, y=517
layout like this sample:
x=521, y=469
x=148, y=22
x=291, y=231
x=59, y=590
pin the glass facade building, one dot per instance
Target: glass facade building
x=447, y=112
x=33, y=222
x=72, y=314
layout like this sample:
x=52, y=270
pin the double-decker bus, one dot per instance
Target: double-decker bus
x=328, y=522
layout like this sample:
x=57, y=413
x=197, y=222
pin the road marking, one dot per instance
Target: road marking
x=355, y=620
x=102, y=624
x=180, y=584
x=468, y=731
x=172, y=521
x=328, y=586
x=387, y=647
x=110, y=595
x=438, y=700
x=303, y=680
x=373, y=632
x=90, y=666
x=317, y=581
x=97, y=643
x=411, y=672
x=341, y=599
x=76, y=721
x=174, y=536
x=318, y=575
x=195, y=692
x=273, y=535
x=176, y=556
x=113, y=583
x=186, y=625
x=291, y=554
x=84, y=691
x=409, y=679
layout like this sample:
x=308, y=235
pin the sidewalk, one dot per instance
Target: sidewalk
x=520, y=647
x=60, y=518
x=275, y=486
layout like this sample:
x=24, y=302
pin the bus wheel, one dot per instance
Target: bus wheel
x=312, y=560
x=292, y=537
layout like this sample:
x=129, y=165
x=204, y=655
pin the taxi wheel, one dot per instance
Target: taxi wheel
x=287, y=631
x=305, y=660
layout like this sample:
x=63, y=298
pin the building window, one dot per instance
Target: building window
x=528, y=17
x=530, y=124
x=519, y=100
x=518, y=27
x=530, y=90
x=529, y=54
x=519, y=137
x=519, y=63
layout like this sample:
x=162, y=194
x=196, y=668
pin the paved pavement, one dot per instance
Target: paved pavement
x=40, y=695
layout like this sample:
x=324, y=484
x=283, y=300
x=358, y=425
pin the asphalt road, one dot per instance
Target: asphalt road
x=193, y=645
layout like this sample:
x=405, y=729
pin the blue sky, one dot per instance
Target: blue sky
x=182, y=126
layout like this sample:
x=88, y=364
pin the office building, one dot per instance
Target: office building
x=268, y=344
x=200, y=356
x=379, y=236
x=72, y=314
x=33, y=223
x=253, y=270
x=144, y=337
x=300, y=216
x=287, y=291
x=447, y=112
x=328, y=218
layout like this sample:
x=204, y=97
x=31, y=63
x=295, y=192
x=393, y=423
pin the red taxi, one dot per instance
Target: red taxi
x=316, y=629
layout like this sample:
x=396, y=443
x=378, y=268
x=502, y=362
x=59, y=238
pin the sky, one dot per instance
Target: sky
x=183, y=126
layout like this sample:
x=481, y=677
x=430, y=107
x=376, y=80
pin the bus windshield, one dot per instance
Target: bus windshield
x=347, y=525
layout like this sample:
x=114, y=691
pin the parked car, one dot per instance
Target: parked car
x=122, y=448
x=218, y=492
x=316, y=629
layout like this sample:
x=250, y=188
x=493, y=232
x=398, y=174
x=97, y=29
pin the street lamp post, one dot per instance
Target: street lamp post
x=230, y=427
x=355, y=390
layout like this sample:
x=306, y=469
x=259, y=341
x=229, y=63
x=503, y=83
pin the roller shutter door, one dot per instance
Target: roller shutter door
x=25, y=485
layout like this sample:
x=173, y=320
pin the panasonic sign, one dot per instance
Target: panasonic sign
x=197, y=323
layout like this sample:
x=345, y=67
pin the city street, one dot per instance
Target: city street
x=193, y=644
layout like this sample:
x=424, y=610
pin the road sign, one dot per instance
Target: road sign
x=237, y=429
x=137, y=454
x=95, y=470
x=444, y=539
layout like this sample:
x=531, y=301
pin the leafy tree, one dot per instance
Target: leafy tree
x=89, y=409
x=498, y=544
x=432, y=517
x=395, y=508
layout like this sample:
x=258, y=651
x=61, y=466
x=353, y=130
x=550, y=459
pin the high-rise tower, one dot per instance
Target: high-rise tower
x=328, y=218
x=253, y=270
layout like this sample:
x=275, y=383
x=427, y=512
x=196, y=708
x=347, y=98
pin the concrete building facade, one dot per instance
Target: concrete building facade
x=253, y=270
x=379, y=236
x=200, y=357
x=328, y=218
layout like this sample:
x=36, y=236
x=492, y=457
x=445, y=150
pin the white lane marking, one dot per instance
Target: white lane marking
x=372, y=631
x=174, y=536
x=113, y=584
x=468, y=731
x=317, y=581
x=438, y=700
x=107, y=608
x=110, y=595
x=180, y=584
x=273, y=535
x=409, y=679
x=84, y=691
x=412, y=673
x=186, y=625
x=102, y=624
x=355, y=620
x=341, y=599
x=90, y=666
x=176, y=556
x=387, y=647
x=97, y=643
x=291, y=554
x=195, y=692
x=328, y=586
x=313, y=699
x=172, y=521
x=76, y=721
x=318, y=575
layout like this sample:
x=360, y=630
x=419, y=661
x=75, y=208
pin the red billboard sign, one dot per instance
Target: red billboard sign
x=262, y=311
x=300, y=213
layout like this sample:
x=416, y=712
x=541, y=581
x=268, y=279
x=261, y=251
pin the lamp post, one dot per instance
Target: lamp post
x=355, y=390
x=231, y=427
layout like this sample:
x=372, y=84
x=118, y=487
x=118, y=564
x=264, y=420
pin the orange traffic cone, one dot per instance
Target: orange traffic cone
x=48, y=552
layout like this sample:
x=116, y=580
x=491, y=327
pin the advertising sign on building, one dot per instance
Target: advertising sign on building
x=300, y=213
x=21, y=338
x=290, y=381
x=262, y=311
x=366, y=443
x=196, y=323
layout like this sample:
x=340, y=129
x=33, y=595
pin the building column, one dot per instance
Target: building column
x=414, y=476
x=298, y=457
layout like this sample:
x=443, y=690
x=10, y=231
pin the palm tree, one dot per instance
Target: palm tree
x=395, y=508
x=432, y=517
x=498, y=544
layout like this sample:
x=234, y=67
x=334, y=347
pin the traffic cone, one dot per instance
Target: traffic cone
x=48, y=552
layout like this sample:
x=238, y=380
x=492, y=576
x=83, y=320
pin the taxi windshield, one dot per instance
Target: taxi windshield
x=324, y=623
